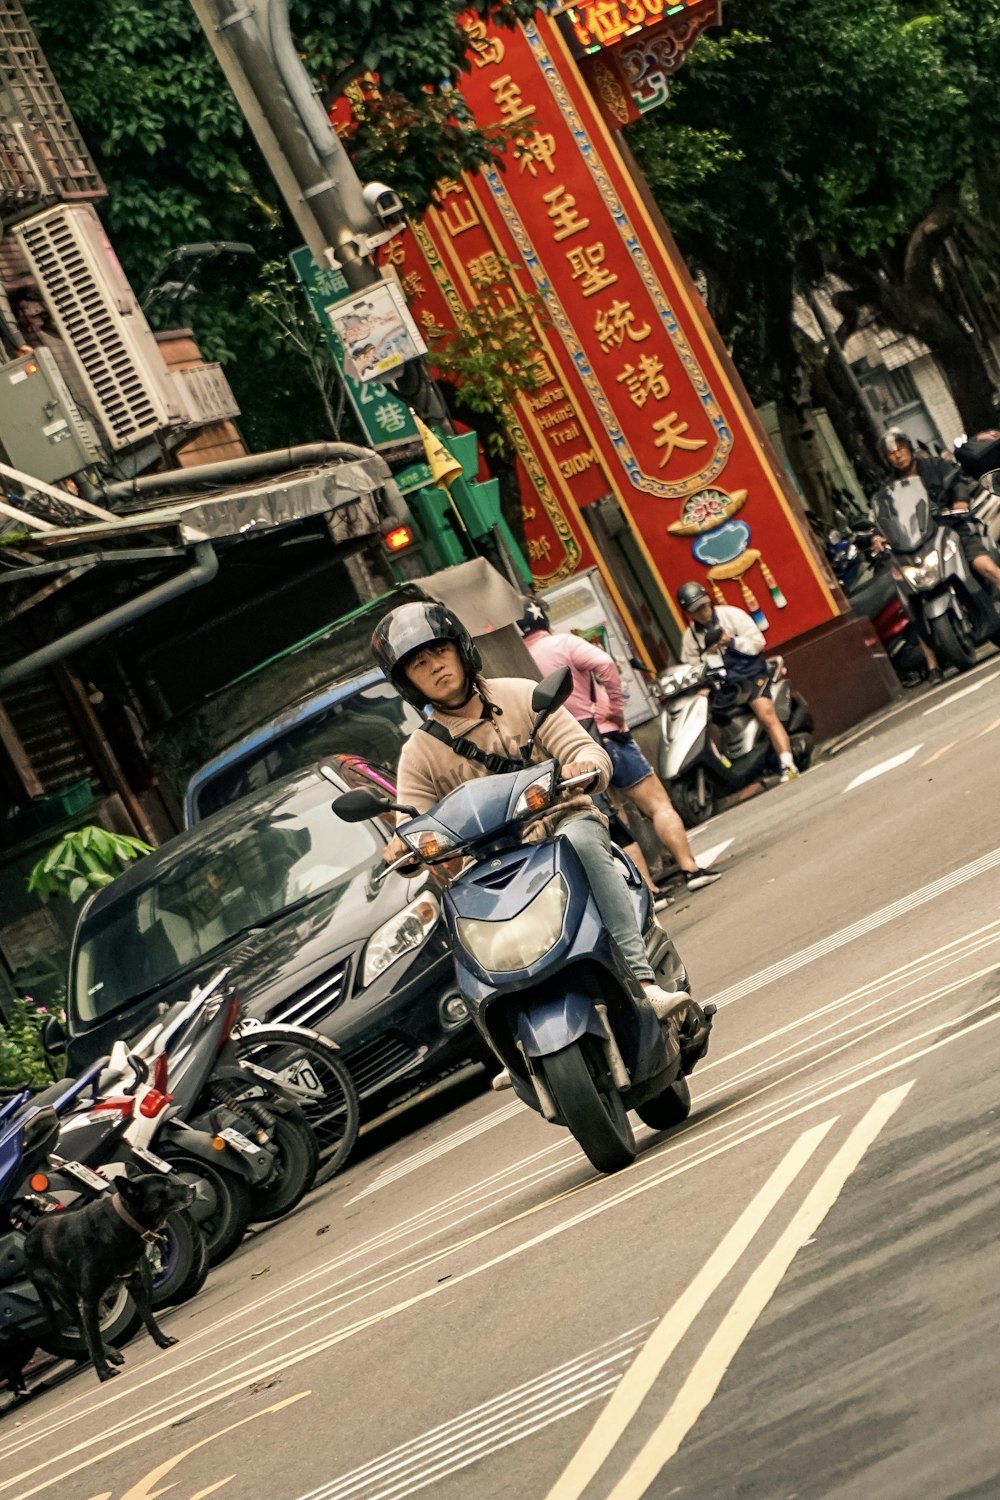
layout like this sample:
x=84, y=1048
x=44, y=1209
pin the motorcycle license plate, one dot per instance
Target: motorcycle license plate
x=156, y=1162
x=239, y=1141
x=77, y=1170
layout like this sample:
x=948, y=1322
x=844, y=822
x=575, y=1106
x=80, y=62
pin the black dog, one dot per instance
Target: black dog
x=76, y=1256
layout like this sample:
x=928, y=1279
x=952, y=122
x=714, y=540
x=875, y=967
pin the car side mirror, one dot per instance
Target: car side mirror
x=54, y=1036
x=551, y=693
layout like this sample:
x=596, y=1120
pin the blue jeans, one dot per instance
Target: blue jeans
x=589, y=838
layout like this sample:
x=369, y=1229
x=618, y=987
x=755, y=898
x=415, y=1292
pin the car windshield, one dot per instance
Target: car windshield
x=243, y=876
x=372, y=722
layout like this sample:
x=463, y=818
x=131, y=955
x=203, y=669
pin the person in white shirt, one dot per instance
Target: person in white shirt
x=742, y=649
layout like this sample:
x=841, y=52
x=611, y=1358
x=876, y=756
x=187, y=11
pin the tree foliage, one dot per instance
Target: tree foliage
x=181, y=166
x=861, y=136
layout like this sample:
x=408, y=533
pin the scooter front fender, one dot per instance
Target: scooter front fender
x=551, y=1025
x=939, y=604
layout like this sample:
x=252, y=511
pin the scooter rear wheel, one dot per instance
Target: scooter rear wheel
x=597, y=1121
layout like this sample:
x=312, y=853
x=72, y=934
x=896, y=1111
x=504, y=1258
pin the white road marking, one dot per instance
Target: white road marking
x=201, y=1394
x=440, y=1148
x=439, y=1218
x=487, y=1428
x=709, y=856
x=706, y=1376
x=962, y=693
x=675, y=1323
x=861, y=928
x=882, y=767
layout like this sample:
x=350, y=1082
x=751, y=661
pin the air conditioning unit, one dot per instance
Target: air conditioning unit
x=205, y=395
x=96, y=316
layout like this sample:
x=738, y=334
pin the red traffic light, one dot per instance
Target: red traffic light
x=399, y=538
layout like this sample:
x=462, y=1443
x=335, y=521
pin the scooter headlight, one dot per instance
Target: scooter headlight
x=926, y=572
x=519, y=941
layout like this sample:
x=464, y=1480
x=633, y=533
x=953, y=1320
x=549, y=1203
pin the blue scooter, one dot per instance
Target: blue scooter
x=543, y=979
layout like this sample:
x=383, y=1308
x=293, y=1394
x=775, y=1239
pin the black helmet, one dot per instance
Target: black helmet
x=691, y=595
x=533, y=617
x=407, y=630
x=891, y=439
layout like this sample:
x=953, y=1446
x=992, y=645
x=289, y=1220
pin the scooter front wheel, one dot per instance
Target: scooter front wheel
x=953, y=641
x=692, y=805
x=597, y=1121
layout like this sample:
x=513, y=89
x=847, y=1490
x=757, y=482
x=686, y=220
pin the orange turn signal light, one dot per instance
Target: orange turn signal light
x=535, y=798
x=399, y=538
x=430, y=845
x=218, y=1144
x=39, y=1182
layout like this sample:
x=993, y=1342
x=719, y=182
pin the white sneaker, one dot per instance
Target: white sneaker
x=789, y=773
x=502, y=1080
x=666, y=1003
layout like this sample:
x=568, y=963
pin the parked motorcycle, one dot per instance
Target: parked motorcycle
x=712, y=745
x=184, y=1097
x=28, y=1132
x=942, y=593
x=541, y=977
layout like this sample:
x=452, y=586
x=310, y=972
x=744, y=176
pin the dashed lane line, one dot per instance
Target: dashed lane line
x=883, y=767
x=973, y=687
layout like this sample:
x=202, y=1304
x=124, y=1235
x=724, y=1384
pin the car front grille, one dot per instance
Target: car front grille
x=376, y=1063
x=314, y=1001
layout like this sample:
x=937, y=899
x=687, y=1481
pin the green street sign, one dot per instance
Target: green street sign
x=385, y=420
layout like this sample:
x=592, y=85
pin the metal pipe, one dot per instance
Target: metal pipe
x=203, y=569
x=306, y=455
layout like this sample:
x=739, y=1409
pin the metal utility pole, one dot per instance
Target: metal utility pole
x=340, y=219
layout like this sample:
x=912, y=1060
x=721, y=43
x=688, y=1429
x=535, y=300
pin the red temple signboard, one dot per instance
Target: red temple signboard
x=636, y=400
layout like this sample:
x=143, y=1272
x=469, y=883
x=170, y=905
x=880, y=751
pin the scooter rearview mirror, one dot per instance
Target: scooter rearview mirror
x=991, y=481
x=551, y=693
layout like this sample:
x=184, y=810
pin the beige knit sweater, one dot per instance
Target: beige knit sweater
x=429, y=770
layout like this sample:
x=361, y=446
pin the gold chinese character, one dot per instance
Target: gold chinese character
x=412, y=284
x=395, y=253
x=562, y=212
x=487, y=49
x=672, y=436
x=612, y=323
x=428, y=321
x=532, y=150
x=444, y=187
x=606, y=22
x=544, y=374
x=645, y=381
x=486, y=269
x=508, y=96
x=539, y=548
x=588, y=268
x=458, y=217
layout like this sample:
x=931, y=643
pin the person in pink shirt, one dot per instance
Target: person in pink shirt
x=598, y=701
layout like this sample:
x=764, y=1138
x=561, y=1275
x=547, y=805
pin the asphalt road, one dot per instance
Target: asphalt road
x=792, y=1297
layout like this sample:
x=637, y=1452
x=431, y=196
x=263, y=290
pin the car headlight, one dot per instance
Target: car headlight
x=519, y=941
x=536, y=796
x=926, y=571
x=401, y=934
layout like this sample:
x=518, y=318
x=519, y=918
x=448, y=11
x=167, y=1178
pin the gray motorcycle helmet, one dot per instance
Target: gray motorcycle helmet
x=690, y=596
x=408, y=629
x=891, y=439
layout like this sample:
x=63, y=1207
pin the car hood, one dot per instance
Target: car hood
x=266, y=964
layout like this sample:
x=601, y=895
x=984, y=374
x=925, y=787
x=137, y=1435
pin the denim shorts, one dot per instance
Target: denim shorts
x=628, y=764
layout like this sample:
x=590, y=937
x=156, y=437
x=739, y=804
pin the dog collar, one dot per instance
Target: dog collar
x=149, y=1236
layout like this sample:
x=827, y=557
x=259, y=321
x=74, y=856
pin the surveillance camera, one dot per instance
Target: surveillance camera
x=382, y=201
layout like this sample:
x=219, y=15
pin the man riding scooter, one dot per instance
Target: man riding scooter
x=476, y=727
x=949, y=491
x=742, y=648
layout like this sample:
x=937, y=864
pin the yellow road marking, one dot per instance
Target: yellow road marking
x=706, y=1376
x=988, y=730
x=638, y=1380
x=938, y=753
